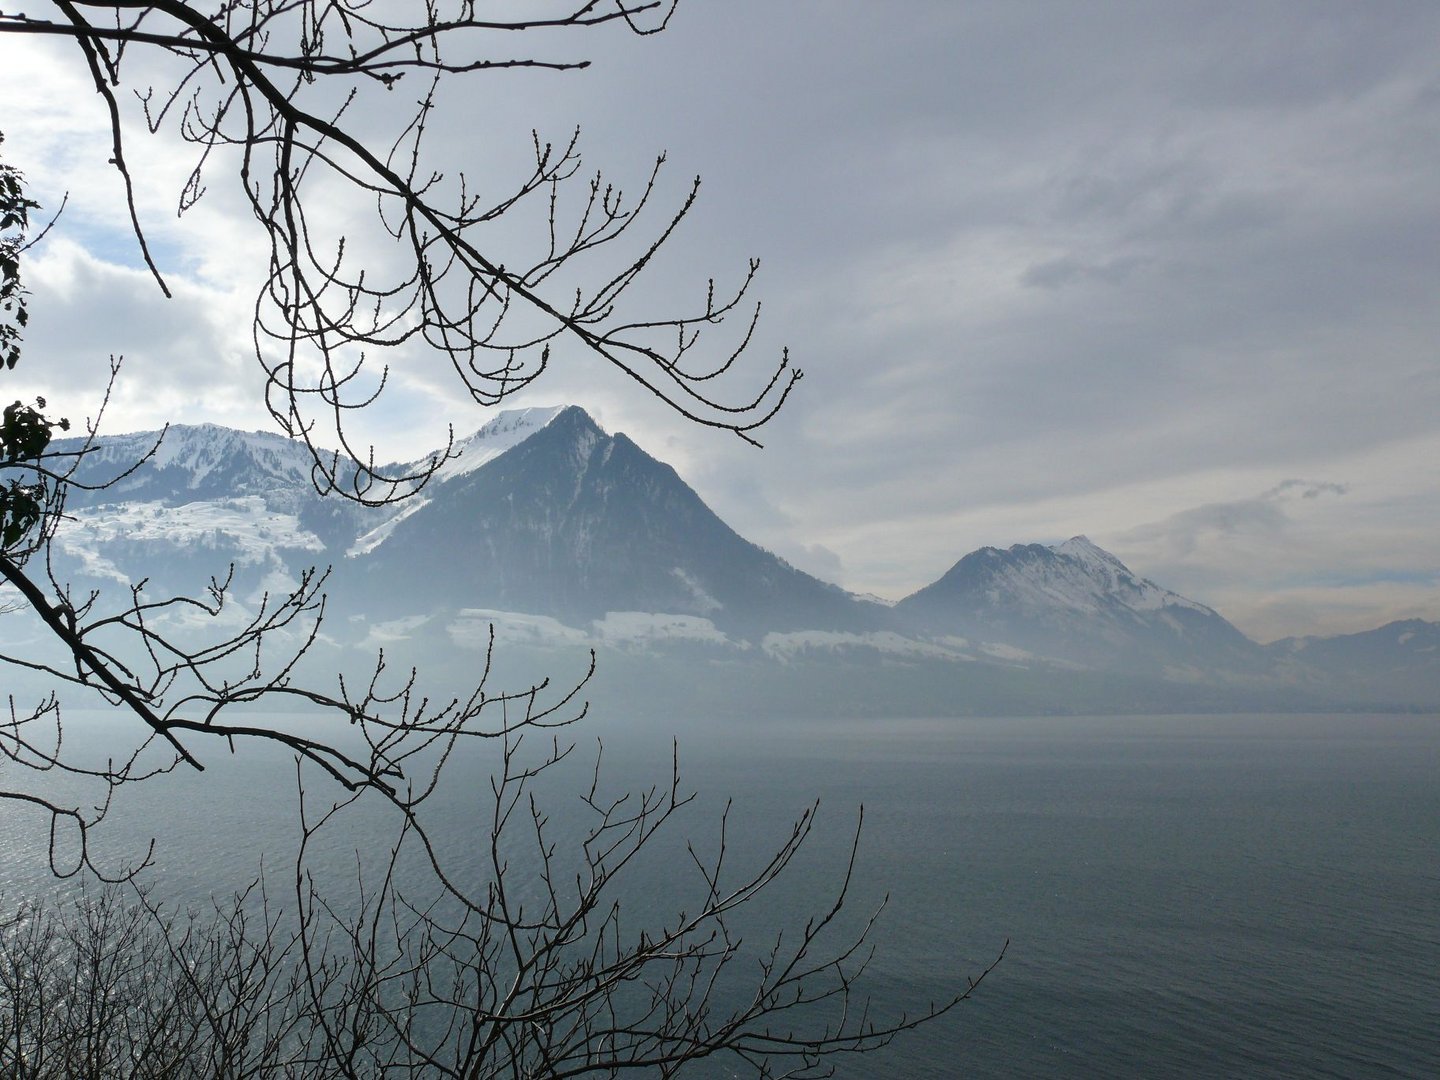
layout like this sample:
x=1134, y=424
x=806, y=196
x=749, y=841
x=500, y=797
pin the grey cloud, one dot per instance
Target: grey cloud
x=181, y=356
x=1068, y=270
x=1263, y=516
x=1305, y=489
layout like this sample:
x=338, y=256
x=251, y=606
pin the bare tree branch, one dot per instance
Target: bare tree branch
x=528, y=961
x=256, y=78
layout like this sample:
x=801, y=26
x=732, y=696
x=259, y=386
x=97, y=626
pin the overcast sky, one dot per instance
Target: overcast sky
x=1165, y=274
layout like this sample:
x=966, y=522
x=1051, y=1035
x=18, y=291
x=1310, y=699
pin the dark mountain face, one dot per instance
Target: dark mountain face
x=575, y=523
x=1079, y=603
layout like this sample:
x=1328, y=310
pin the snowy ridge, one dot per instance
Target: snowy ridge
x=1075, y=578
x=509, y=429
x=203, y=448
x=1115, y=579
x=191, y=462
x=369, y=541
x=871, y=598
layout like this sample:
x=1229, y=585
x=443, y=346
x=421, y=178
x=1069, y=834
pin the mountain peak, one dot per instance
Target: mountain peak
x=1074, y=600
x=572, y=523
x=1114, y=577
x=1083, y=547
x=509, y=428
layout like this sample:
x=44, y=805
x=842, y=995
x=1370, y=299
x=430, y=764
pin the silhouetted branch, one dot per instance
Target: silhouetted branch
x=253, y=78
x=528, y=961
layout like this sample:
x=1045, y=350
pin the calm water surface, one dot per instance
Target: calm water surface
x=1183, y=896
x=1234, y=896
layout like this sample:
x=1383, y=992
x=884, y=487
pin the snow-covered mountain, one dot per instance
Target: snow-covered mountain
x=179, y=509
x=170, y=506
x=1077, y=602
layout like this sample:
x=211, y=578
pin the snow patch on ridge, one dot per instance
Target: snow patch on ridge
x=243, y=527
x=639, y=628
x=369, y=541
x=1116, y=579
x=508, y=430
x=618, y=629
x=783, y=646
x=703, y=600
x=473, y=626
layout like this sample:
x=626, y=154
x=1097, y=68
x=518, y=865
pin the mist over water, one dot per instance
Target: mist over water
x=1200, y=896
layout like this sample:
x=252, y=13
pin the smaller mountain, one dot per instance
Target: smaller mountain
x=1077, y=602
x=1395, y=664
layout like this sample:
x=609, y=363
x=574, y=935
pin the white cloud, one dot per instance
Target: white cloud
x=186, y=359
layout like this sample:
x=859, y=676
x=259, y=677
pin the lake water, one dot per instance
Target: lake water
x=1237, y=896
x=1183, y=896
